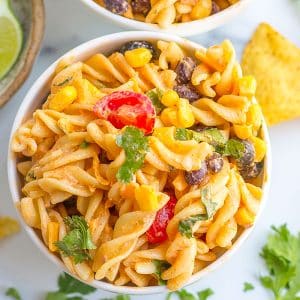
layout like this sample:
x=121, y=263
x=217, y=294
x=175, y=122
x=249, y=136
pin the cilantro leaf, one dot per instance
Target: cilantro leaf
x=232, y=148
x=155, y=96
x=77, y=241
x=209, y=203
x=205, y=294
x=183, y=134
x=248, y=287
x=67, y=80
x=211, y=136
x=160, y=266
x=185, y=226
x=282, y=258
x=13, y=293
x=84, y=145
x=135, y=145
x=56, y=296
x=68, y=284
x=182, y=295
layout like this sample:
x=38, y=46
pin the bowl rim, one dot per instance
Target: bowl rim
x=41, y=83
x=182, y=29
x=35, y=37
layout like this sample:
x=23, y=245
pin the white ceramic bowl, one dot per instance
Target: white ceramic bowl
x=181, y=29
x=34, y=99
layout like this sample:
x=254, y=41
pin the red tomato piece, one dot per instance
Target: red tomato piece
x=127, y=108
x=157, y=232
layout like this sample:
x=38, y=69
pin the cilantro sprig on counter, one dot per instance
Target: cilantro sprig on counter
x=135, y=145
x=13, y=293
x=77, y=241
x=214, y=137
x=248, y=287
x=282, y=257
x=185, y=295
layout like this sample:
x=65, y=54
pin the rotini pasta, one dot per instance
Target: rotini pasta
x=138, y=172
x=165, y=12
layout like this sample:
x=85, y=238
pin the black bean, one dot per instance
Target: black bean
x=252, y=171
x=215, y=8
x=118, y=7
x=187, y=91
x=215, y=162
x=141, y=6
x=138, y=44
x=248, y=156
x=184, y=70
x=197, y=176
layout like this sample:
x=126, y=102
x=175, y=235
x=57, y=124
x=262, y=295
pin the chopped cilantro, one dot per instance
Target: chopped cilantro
x=67, y=80
x=13, y=293
x=205, y=294
x=135, y=145
x=69, y=289
x=183, y=134
x=119, y=297
x=209, y=203
x=212, y=136
x=185, y=226
x=232, y=148
x=77, y=241
x=248, y=287
x=160, y=266
x=84, y=144
x=182, y=295
x=155, y=96
x=282, y=257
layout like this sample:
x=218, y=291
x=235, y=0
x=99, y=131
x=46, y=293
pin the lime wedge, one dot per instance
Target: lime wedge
x=10, y=38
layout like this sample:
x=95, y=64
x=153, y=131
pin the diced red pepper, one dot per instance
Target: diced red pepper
x=127, y=108
x=157, y=232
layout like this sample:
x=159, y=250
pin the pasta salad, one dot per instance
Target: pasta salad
x=165, y=12
x=143, y=166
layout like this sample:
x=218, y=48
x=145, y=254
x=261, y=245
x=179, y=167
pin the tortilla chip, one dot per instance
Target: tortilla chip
x=8, y=226
x=275, y=63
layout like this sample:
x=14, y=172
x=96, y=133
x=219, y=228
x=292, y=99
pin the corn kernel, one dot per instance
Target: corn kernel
x=146, y=198
x=247, y=86
x=138, y=57
x=169, y=117
x=254, y=116
x=170, y=98
x=63, y=98
x=201, y=10
x=53, y=229
x=242, y=131
x=185, y=114
x=260, y=148
x=244, y=218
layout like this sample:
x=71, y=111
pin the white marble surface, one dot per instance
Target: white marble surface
x=69, y=23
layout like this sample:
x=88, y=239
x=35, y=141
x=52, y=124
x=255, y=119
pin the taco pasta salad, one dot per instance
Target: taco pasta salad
x=165, y=12
x=143, y=166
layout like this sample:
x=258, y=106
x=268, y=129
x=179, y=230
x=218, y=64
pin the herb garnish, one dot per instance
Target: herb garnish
x=248, y=287
x=209, y=203
x=214, y=137
x=84, y=145
x=155, y=97
x=13, y=293
x=185, y=226
x=67, y=80
x=282, y=257
x=77, y=241
x=135, y=145
x=160, y=266
x=185, y=295
x=69, y=289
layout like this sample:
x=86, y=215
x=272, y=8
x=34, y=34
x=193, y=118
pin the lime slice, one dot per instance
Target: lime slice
x=10, y=38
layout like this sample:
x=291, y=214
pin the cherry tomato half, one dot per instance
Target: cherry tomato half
x=127, y=108
x=157, y=232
